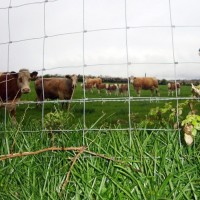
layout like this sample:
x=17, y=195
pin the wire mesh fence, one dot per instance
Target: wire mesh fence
x=83, y=34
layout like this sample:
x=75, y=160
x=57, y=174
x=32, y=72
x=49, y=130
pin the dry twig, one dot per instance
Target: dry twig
x=15, y=155
x=65, y=182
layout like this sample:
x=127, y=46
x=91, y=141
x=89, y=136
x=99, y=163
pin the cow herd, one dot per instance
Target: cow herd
x=139, y=83
x=13, y=85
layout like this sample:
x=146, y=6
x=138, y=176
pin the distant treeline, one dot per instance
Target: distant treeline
x=108, y=79
x=104, y=78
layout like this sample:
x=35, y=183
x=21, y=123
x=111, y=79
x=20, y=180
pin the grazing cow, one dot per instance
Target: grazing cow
x=100, y=86
x=123, y=89
x=145, y=83
x=88, y=87
x=195, y=91
x=55, y=88
x=93, y=81
x=172, y=86
x=111, y=89
x=12, y=86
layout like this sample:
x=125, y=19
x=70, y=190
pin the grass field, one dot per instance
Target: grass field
x=112, y=113
x=112, y=164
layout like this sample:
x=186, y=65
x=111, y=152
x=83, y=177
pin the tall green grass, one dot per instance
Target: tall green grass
x=154, y=166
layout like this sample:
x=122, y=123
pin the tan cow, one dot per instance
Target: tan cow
x=111, y=88
x=123, y=89
x=12, y=86
x=93, y=81
x=100, y=87
x=172, y=86
x=145, y=83
x=56, y=88
x=195, y=90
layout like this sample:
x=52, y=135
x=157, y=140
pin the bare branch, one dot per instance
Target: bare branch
x=14, y=155
x=65, y=182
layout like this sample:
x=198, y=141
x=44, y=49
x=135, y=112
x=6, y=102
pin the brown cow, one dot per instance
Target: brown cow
x=88, y=87
x=100, y=86
x=12, y=86
x=123, y=89
x=55, y=88
x=172, y=86
x=93, y=81
x=145, y=83
x=111, y=89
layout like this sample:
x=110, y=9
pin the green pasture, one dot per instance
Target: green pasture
x=110, y=113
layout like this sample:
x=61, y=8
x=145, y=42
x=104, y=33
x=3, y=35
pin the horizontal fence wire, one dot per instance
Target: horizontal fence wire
x=26, y=4
x=93, y=130
x=105, y=99
x=94, y=30
x=129, y=63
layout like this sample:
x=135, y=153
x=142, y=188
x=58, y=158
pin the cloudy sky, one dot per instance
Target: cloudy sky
x=149, y=44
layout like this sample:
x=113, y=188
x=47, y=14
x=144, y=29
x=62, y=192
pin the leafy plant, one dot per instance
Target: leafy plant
x=56, y=120
x=191, y=124
x=166, y=115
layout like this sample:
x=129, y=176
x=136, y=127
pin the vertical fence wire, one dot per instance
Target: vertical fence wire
x=8, y=60
x=127, y=67
x=43, y=60
x=175, y=63
x=83, y=52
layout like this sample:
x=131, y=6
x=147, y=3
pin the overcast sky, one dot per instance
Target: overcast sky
x=105, y=47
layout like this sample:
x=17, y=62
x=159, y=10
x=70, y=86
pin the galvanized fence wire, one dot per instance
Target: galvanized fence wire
x=43, y=60
x=129, y=63
x=84, y=64
x=174, y=59
x=8, y=59
x=128, y=74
